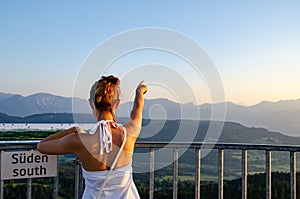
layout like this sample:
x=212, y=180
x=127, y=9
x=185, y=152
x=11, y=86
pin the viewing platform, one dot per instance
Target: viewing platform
x=16, y=146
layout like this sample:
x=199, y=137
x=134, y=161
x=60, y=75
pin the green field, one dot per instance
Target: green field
x=25, y=134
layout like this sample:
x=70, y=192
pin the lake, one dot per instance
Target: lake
x=41, y=126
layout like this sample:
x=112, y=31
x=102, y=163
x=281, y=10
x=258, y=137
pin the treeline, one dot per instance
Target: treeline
x=209, y=190
x=43, y=187
x=25, y=135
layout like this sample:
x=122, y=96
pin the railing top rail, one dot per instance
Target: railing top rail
x=18, y=144
x=31, y=144
x=219, y=145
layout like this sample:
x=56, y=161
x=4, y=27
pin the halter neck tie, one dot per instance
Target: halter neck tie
x=105, y=138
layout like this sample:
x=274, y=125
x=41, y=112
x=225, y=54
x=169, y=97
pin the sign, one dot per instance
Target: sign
x=27, y=164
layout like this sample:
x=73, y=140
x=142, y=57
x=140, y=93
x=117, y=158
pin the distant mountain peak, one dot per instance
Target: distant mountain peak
x=4, y=96
x=280, y=116
x=17, y=105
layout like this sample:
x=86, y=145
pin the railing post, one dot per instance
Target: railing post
x=268, y=174
x=151, y=183
x=55, y=188
x=220, y=173
x=244, y=174
x=293, y=174
x=2, y=189
x=175, y=174
x=29, y=183
x=78, y=180
x=55, y=182
x=198, y=166
x=1, y=182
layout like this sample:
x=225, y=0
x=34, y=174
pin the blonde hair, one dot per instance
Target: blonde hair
x=105, y=92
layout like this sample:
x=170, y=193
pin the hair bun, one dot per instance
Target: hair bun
x=103, y=92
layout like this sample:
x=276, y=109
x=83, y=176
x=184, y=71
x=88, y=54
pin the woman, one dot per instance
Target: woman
x=106, y=151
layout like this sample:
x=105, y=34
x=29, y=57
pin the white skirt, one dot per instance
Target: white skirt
x=120, y=184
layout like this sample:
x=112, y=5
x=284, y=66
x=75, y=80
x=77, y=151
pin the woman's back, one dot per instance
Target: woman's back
x=90, y=156
x=117, y=182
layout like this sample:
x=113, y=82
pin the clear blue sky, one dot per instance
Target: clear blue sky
x=255, y=44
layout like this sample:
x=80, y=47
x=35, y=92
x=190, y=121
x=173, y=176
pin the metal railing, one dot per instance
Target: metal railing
x=197, y=146
x=268, y=148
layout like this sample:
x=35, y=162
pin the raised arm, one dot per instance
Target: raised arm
x=135, y=123
x=136, y=114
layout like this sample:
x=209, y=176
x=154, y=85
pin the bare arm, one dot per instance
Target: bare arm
x=136, y=114
x=60, y=143
x=135, y=123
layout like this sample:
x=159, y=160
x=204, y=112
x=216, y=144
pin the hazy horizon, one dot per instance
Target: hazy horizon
x=146, y=98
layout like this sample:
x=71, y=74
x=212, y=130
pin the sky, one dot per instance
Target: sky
x=254, y=46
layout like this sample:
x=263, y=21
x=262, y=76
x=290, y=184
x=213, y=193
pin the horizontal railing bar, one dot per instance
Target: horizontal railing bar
x=14, y=147
x=18, y=144
x=239, y=146
x=27, y=144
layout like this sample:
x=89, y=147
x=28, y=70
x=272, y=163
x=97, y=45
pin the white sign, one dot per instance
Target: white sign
x=27, y=164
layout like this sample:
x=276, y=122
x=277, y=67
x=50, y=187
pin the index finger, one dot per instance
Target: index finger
x=141, y=83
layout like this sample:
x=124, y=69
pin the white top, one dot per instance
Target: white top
x=114, y=183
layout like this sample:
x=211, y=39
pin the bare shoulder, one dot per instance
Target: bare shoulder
x=132, y=129
x=64, y=145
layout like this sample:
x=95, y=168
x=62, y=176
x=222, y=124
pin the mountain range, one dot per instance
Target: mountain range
x=17, y=105
x=282, y=116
